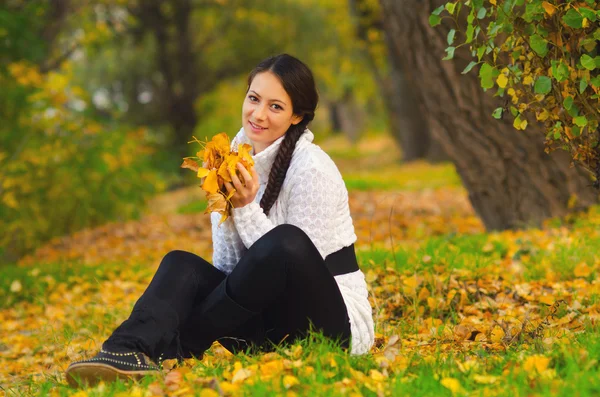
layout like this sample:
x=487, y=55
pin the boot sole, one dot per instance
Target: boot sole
x=93, y=373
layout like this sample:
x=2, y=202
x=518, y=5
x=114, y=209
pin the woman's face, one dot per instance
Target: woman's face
x=267, y=111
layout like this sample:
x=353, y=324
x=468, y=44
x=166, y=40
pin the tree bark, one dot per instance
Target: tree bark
x=511, y=181
x=406, y=123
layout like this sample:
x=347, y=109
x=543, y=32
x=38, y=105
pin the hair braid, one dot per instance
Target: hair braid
x=281, y=165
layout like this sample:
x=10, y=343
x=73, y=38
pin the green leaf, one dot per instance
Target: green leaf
x=451, y=35
x=543, y=85
x=595, y=82
x=450, y=7
x=481, y=52
x=487, y=75
x=497, y=114
x=583, y=84
x=573, y=111
x=534, y=11
x=580, y=121
x=438, y=10
x=539, y=45
x=568, y=102
x=573, y=19
x=481, y=13
x=560, y=71
x=470, y=66
x=588, y=43
x=449, y=53
x=588, y=62
x=576, y=130
x=589, y=14
x=597, y=34
x=434, y=20
x=469, y=33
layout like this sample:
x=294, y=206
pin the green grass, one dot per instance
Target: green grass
x=194, y=207
x=411, y=176
x=37, y=282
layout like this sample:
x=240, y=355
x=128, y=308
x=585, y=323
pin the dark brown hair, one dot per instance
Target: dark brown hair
x=297, y=80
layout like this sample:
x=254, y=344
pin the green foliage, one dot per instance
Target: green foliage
x=62, y=168
x=544, y=57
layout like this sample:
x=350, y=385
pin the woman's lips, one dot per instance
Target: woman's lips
x=255, y=127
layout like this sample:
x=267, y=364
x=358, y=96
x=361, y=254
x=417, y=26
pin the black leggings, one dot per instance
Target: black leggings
x=282, y=280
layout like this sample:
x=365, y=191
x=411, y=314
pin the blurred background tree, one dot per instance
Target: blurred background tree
x=100, y=98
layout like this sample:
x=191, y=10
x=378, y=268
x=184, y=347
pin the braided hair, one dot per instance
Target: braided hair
x=297, y=80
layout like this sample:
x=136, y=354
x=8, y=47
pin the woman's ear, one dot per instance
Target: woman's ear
x=296, y=119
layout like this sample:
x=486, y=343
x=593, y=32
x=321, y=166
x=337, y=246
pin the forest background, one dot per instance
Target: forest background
x=478, y=237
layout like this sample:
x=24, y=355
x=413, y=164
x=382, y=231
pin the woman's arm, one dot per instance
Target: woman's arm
x=311, y=204
x=228, y=247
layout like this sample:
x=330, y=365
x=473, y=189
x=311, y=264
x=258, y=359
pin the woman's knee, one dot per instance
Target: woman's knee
x=183, y=261
x=290, y=240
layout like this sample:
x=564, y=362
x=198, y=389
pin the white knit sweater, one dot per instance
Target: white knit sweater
x=314, y=198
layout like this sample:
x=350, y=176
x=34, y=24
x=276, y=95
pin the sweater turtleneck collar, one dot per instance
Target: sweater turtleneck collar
x=263, y=161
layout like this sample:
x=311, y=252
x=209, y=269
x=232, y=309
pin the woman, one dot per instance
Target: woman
x=284, y=262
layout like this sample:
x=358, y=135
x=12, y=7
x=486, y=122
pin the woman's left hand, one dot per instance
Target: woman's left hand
x=244, y=192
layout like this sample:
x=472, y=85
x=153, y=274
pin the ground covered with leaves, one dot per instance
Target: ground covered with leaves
x=458, y=311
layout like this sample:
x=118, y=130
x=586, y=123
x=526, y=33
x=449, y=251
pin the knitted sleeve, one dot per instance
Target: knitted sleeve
x=311, y=202
x=228, y=247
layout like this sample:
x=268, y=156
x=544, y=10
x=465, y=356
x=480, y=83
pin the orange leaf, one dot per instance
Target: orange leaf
x=216, y=203
x=221, y=143
x=549, y=8
x=244, y=154
x=202, y=172
x=190, y=164
x=210, y=183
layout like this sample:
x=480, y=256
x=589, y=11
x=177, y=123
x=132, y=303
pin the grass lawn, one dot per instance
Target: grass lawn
x=458, y=311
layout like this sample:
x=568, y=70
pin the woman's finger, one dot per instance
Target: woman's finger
x=245, y=173
x=229, y=187
x=236, y=181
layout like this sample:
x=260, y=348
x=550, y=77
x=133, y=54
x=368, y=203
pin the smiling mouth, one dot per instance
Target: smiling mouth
x=258, y=127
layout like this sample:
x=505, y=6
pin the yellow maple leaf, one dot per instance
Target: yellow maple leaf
x=244, y=154
x=216, y=203
x=582, y=270
x=537, y=363
x=549, y=8
x=502, y=80
x=221, y=143
x=190, y=164
x=452, y=384
x=211, y=184
x=202, y=172
x=223, y=171
x=290, y=381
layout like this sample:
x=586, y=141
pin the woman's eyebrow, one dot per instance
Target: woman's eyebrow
x=272, y=100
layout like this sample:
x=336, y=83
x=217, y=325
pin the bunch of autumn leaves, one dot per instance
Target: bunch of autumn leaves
x=218, y=163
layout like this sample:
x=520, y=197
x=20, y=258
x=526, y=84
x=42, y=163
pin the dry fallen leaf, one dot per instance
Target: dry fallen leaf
x=219, y=163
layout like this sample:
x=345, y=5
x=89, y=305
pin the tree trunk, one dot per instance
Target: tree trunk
x=511, y=181
x=406, y=123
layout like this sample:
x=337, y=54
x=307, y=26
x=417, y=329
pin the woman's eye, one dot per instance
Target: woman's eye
x=277, y=107
x=253, y=98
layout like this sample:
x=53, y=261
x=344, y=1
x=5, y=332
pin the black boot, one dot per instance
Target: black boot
x=135, y=347
x=108, y=366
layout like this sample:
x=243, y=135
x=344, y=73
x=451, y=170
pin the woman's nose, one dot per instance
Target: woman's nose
x=260, y=112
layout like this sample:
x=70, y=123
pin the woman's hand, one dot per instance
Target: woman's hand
x=244, y=192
